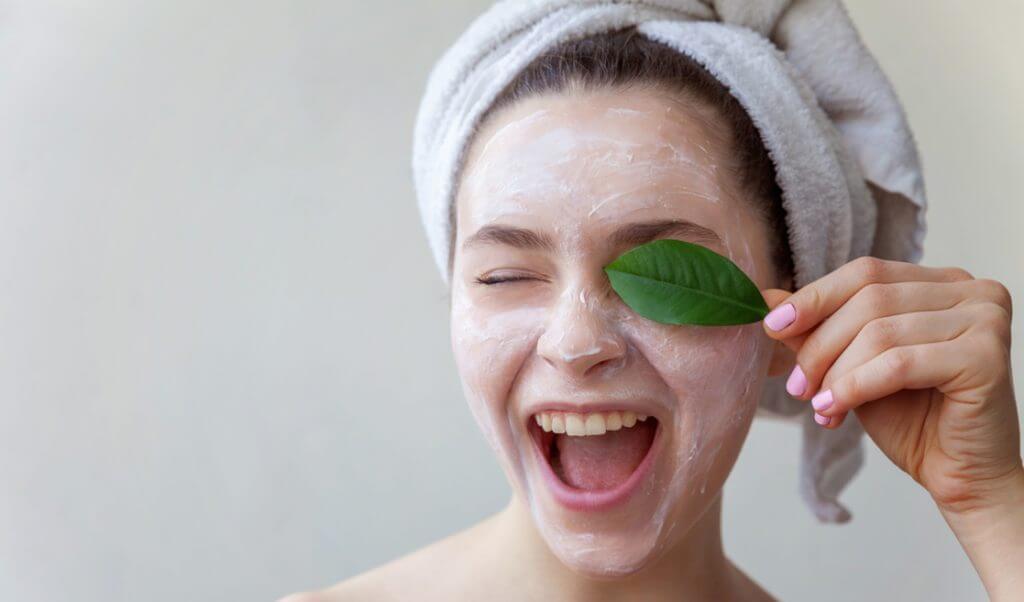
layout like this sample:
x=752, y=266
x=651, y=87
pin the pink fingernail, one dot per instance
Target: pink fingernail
x=797, y=383
x=822, y=401
x=822, y=420
x=780, y=317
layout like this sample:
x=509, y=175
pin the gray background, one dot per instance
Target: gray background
x=225, y=370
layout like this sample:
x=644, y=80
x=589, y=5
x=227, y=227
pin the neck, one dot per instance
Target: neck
x=695, y=568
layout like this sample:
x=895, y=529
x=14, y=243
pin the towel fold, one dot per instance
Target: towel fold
x=844, y=155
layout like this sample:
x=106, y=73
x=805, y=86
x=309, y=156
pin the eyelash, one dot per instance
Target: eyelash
x=494, y=280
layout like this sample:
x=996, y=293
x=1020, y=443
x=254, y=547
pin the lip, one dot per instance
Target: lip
x=594, y=501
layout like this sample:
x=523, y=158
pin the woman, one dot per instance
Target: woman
x=616, y=432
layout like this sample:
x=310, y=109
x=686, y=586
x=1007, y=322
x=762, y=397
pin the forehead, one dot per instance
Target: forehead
x=596, y=155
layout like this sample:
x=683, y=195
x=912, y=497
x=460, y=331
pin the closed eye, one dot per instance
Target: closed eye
x=498, y=280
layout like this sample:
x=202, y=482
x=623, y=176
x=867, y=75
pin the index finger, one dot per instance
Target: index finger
x=808, y=306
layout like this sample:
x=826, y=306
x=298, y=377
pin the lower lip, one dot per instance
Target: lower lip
x=596, y=501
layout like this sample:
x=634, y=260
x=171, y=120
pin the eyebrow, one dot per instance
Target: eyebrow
x=633, y=234
x=642, y=232
x=521, y=238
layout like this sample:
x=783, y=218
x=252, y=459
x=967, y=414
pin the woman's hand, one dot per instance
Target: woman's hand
x=922, y=356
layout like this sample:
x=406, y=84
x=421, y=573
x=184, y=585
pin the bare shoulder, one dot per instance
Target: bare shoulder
x=435, y=571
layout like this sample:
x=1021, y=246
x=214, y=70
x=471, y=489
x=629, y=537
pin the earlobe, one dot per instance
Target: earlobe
x=783, y=359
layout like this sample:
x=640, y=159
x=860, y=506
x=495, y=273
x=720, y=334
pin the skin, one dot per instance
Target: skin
x=921, y=354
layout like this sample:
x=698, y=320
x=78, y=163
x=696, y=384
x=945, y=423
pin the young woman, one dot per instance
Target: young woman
x=617, y=433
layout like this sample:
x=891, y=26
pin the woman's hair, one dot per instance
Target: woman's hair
x=627, y=59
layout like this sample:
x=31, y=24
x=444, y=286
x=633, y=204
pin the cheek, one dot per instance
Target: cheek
x=703, y=365
x=720, y=390
x=714, y=375
x=489, y=347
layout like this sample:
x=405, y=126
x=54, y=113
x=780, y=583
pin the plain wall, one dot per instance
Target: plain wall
x=225, y=371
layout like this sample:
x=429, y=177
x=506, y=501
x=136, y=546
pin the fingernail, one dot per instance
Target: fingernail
x=822, y=401
x=780, y=317
x=797, y=382
x=822, y=420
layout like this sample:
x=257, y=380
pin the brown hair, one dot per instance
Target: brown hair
x=624, y=59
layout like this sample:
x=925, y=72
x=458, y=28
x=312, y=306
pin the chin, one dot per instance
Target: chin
x=611, y=503
x=604, y=556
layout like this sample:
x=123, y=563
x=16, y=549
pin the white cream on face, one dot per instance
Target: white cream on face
x=576, y=168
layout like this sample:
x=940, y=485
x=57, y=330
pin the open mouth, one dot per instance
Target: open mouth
x=594, y=460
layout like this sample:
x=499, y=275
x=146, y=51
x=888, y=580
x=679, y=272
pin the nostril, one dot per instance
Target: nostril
x=569, y=358
x=602, y=352
x=608, y=365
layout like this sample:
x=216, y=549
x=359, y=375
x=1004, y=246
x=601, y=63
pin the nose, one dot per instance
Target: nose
x=580, y=338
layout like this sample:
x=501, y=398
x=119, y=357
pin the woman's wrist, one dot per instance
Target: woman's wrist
x=991, y=531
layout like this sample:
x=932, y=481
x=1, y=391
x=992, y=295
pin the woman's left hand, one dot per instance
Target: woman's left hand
x=922, y=356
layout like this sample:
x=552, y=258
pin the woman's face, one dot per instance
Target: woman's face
x=555, y=188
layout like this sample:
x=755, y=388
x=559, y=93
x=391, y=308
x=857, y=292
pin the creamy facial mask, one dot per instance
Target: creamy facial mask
x=537, y=327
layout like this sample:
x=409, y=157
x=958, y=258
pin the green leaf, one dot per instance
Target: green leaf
x=677, y=282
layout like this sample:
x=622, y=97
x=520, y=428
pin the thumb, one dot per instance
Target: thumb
x=773, y=297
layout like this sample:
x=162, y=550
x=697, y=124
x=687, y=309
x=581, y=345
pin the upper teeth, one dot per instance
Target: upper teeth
x=592, y=423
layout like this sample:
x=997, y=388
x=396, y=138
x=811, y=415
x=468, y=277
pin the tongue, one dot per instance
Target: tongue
x=602, y=461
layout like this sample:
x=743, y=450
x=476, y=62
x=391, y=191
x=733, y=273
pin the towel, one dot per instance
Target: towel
x=844, y=155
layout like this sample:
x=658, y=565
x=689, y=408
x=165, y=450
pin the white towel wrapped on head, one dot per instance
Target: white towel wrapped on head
x=843, y=153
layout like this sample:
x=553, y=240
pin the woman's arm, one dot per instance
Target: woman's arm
x=922, y=356
x=992, y=534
